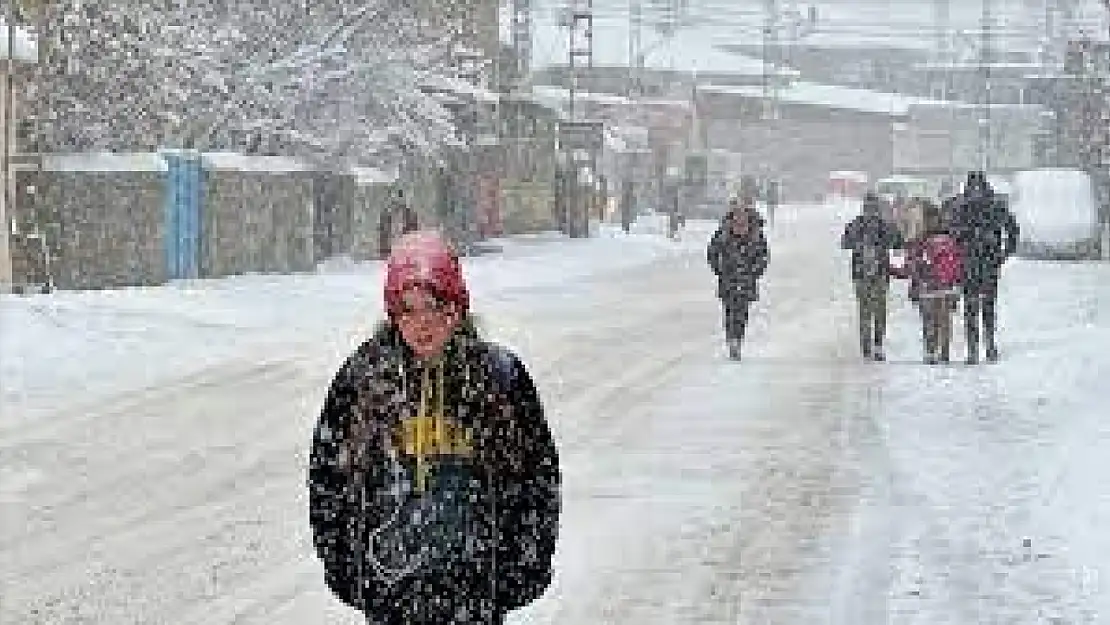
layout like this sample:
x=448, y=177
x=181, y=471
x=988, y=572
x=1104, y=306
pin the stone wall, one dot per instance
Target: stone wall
x=102, y=216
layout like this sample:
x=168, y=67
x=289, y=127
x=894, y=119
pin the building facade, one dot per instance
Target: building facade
x=18, y=54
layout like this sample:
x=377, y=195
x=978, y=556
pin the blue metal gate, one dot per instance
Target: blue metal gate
x=183, y=214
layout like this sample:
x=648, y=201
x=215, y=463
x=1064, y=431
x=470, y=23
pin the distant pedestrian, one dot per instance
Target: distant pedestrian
x=871, y=237
x=988, y=233
x=396, y=219
x=738, y=255
x=934, y=264
x=772, y=200
x=433, y=478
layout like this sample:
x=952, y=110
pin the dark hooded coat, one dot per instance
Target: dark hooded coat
x=451, y=505
x=739, y=261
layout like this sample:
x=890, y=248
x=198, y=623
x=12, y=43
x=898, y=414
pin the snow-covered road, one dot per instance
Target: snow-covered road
x=800, y=486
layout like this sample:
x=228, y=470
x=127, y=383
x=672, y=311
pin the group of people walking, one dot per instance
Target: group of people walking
x=954, y=251
x=955, y=254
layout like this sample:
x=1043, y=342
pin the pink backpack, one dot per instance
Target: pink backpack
x=943, y=261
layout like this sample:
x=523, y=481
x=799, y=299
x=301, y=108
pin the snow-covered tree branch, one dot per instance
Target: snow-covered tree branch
x=332, y=79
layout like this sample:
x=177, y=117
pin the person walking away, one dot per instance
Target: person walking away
x=433, y=480
x=988, y=233
x=934, y=262
x=871, y=237
x=772, y=199
x=397, y=219
x=738, y=255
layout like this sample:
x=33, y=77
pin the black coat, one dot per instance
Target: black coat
x=738, y=262
x=871, y=234
x=487, y=471
x=986, y=229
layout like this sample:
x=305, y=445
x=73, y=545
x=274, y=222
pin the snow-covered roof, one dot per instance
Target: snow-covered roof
x=966, y=66
x=862, y=100
x=557, y=97
x=25, y=47
x=242, y=162
x=924, y=103
x=367, y=176
x=460, y=86
x=104, y=162
x=830, y=96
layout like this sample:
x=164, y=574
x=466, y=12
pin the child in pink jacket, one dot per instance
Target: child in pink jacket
x=934, y=264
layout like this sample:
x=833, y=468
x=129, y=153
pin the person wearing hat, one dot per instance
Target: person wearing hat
x=738, y=255
x=871, y=236
x=434, y=481
x=988, y=233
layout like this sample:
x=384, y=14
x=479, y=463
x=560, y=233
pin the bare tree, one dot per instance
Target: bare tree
x=331, y=79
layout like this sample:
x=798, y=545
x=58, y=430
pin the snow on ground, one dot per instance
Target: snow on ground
x=101, y=342
x=799, y=486
x=985, y=497
x=184, y=503
x=721, y=475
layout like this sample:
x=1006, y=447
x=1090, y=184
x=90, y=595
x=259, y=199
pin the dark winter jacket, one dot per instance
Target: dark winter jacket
x=934, y=262
x=987, y=230
x=871, y=237
x=738, y=262
x=460, y=495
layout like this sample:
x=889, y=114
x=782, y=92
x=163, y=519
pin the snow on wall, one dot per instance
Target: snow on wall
x=368, y=176
x=241, y=162
x=26, y=48
x=865, y=100
x=104, y=162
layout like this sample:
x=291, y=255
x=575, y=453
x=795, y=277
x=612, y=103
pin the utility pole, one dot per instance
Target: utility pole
x=522, y=40
x=580, y=48
x=986, y=59
x=634, y=90
x=942, y=24
x=943, y=59
x=7, y=202
x=635, y=49
x=576, y=142
x=770, y=58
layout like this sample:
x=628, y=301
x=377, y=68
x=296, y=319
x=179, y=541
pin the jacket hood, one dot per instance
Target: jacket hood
x=422, y=259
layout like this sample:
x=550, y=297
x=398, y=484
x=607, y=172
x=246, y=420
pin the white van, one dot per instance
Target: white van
x=1057, y=212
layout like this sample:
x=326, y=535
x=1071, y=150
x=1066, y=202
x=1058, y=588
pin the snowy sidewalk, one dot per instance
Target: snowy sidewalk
x=988, y=499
